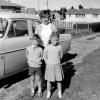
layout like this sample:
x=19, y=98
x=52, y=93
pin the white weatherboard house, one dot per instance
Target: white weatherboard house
x=7, y=6
x=83, y=15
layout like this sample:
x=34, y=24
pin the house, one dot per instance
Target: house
x=31, y=10
x=83, y=15
x=55, y=15
x=9, y=6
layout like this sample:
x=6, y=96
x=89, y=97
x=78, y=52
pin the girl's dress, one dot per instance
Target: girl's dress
x=52, y=56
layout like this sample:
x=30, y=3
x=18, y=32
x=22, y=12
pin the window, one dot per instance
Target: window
x=3, y=26
x=18, y=28
x=83, y=15
x=76, y=15
x=35, y=23
x=95, y=15
x=69, y=15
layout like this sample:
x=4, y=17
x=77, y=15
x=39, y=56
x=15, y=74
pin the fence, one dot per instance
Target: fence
x=63, y=24
x=76, y=26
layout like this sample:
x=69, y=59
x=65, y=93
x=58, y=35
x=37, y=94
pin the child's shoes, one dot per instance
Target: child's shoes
x=48, y=94
x=39, y=93
x=59, y=94
x=32, y=92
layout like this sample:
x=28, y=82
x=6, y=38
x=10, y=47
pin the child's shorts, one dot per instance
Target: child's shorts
x=34, y=71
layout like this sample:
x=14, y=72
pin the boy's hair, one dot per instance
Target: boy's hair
x=54, y=34
x=35, y=37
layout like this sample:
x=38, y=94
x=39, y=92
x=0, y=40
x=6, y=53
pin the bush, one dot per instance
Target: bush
x=81, y=26
x=95, y=27
x=62, y=31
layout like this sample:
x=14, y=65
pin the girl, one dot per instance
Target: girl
x=34, y=55
x=52, y=56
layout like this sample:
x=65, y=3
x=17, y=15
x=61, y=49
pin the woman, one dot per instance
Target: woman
x=45, y=29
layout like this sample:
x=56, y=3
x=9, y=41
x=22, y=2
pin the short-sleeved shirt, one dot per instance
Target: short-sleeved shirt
x=53, y=54
x=34, y=56
x=44, y=31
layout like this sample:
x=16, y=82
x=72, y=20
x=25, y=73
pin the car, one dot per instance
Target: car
x=16, y=29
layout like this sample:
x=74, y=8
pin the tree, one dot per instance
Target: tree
x=81, y=7
x=62, y=12
x=72, y=7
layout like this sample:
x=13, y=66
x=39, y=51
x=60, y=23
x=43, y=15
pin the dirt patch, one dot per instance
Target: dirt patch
x=91, y=38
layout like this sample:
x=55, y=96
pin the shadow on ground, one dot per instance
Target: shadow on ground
x=68, y=56
x=69, y=72
x=68, y=69
x=7, y=82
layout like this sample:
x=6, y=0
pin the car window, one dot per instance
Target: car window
x=35, y=23
x=18, y=28
x=3, y=26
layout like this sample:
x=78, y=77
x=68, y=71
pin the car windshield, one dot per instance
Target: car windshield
x=3, y=26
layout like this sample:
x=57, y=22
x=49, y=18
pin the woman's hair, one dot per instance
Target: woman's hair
x=53, y=35
x=44, y=14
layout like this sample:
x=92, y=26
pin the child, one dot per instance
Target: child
x=34, y=55
x=52, y=56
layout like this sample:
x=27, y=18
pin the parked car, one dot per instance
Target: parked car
x=15, y=32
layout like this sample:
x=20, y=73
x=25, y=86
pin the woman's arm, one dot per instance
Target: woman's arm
x=41, y=54
x=38, y=29
x=45, y=55
x=61, y=52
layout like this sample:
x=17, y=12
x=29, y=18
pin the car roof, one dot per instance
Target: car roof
x=18, y=15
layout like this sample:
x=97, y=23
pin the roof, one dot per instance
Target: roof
x=18, y=15
x=8, y=3
x=83, y=11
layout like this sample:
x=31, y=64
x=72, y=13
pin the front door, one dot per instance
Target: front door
x=14, y=46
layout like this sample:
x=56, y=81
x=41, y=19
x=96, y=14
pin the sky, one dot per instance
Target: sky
x=57, y=4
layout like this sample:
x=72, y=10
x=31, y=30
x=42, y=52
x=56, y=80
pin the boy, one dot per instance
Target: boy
x=34, y=55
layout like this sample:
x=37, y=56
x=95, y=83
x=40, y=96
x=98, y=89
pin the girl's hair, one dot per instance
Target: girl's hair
x=36, y=37
x=53, y=35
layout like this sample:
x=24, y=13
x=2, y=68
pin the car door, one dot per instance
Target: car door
x=1, y=58
x=3, y=26
x=14, y=46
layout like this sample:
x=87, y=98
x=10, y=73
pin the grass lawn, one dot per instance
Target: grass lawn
x=86, y=84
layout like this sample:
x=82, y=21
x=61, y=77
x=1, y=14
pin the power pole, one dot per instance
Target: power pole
x=47, y=4
x=38, y=6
